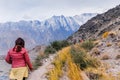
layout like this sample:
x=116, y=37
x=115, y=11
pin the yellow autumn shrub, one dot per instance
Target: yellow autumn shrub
x=64, y=58
x=105, y=35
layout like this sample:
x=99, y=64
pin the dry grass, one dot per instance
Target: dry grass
x=64, y=58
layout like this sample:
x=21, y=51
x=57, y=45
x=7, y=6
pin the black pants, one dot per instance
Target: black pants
x=24, y=78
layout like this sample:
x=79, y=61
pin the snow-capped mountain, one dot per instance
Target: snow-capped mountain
x=40, y=32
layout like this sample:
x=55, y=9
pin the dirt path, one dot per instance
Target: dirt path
x=40, y=73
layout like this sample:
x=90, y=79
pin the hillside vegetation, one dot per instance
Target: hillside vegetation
x=90, y=57
x=89, y=60
x=92, y=53
x=71, y=62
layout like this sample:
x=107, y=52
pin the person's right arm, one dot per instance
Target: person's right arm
x=8, y=59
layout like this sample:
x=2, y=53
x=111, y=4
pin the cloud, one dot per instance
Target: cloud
x=12, y=10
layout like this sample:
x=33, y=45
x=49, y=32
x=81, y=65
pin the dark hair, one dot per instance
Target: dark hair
x=19, y=44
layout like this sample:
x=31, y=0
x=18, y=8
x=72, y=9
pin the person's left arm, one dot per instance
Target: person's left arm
x=27, y=60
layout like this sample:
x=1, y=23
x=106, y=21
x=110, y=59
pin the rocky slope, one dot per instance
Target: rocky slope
x=105, y=28
x=108, y=51
x=99, y=24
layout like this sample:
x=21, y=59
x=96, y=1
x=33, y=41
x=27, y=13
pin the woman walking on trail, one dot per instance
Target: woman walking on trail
x=19, y=59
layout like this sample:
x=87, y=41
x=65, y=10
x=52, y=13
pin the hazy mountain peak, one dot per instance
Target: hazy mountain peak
x=39, y=32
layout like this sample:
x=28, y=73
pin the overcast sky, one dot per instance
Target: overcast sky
x=15, y=10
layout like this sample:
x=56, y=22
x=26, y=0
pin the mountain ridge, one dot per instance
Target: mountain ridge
x=97, y=25
x=38, y=32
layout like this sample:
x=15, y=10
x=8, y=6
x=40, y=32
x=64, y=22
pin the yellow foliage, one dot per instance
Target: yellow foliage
x=62, y=58
x=53, y=75
x=111, y=33
x=74, y=71
x=105, y=35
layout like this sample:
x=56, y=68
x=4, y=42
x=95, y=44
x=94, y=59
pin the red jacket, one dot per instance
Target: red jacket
x=18, y=59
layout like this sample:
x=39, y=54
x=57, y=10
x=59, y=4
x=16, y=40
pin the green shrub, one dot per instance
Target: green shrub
x=64, y=43
x=50, y=50
x=37, y=62
x=58, y=45
x=81, y=58
x=87, y=45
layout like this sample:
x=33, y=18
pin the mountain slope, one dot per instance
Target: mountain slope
x=105, y=29
x=40, y=32
x=99, y=24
